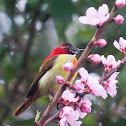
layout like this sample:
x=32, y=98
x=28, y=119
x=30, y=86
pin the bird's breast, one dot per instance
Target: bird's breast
x=47, y=83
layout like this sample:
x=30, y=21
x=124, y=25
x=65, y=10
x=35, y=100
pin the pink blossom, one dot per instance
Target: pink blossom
x=92, y=83
x=94, y=17
x=67, y=66
x=109, y=62
x=111, y=84
x=119, y=19
x=84, y=105
x=86, y=109
x=96, y=88
x=59, y=79
x=120, y=3
x=68, y=115
x=95, y=58
x=121, y=45
x=101, y=42
x=69, y=96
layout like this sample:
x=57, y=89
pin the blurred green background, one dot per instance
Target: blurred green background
x=29, y=30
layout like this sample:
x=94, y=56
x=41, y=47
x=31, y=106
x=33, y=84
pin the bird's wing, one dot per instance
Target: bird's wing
x=43, y=69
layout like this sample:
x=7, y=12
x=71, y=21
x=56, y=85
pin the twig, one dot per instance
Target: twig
x=52, y=118
x=51, y=106
x=77, y=66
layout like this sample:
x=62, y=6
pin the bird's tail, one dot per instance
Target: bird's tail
x=23, y=106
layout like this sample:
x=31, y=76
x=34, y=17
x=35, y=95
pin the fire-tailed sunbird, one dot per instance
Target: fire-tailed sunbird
x=45, y=82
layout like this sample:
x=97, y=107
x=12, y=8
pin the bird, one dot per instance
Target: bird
x=44, y=84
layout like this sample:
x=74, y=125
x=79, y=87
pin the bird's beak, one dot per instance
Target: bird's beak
x=74, y=50
x=79, y=50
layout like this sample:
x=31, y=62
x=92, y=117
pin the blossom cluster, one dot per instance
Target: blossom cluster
x=71, y=114
x=77, y=107
x=94, y=17
x=74, y=102
x=98, y=17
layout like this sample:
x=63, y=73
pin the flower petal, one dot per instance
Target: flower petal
x=103, y=10
x=63, y=121
x=83, y=73
x=91, y=11
x=122, y=43
x=117, y=45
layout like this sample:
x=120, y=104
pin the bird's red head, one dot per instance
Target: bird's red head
x=64, y=48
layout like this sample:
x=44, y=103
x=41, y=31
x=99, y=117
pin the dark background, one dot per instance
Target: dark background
x=29, y=30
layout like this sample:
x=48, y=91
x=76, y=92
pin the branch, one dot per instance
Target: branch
x=31, y=33
x=77, y=66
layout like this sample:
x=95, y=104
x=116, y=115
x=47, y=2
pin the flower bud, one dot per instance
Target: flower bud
x=67, y=66
x=59, y=79
x=85, y=108
x=120, y=3
x=119, y=19
x=75, y=87
x=95, y=58
x=101, y=42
